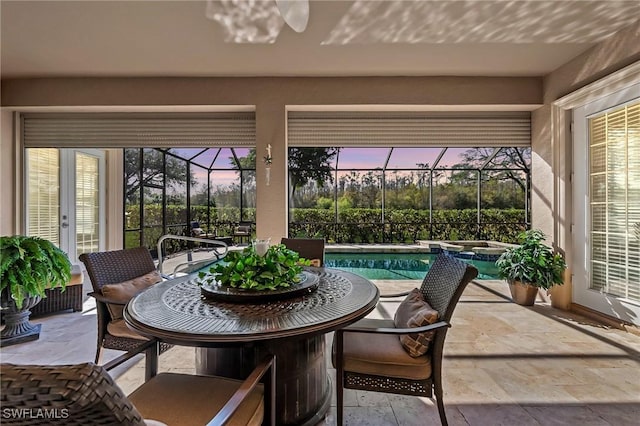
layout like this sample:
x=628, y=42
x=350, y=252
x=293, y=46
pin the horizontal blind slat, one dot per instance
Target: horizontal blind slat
x=135, y=130
x=340, y=128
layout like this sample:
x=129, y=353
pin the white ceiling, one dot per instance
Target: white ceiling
x=343, y=38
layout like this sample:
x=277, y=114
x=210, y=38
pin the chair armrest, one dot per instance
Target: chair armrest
x=99, y=297
x=224, y=415
x=369, y=327
x=385, y=296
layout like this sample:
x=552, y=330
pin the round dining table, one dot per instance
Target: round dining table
x=231, y=337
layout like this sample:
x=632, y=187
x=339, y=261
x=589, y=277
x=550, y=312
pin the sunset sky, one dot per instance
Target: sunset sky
x=349, y=158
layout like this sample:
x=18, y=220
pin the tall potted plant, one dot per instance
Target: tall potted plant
x=530, y=266
x=28, y=265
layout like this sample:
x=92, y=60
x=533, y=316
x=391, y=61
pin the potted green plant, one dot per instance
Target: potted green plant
x=28, y=265
x=530, y=266
x=257, y=268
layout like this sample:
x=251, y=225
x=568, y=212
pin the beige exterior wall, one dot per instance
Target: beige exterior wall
x=270, y=97
x=8, y=188
x=551, y=140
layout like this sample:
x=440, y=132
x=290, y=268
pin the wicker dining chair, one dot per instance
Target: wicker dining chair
x=107, y=270
x=369, y=355
x=85, y=394
x=308, y=248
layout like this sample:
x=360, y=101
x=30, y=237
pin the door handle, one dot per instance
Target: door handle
x=64, y=225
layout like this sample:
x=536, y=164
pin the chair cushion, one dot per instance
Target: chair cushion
x=315, y=262
x=118, y=328
x=382, y=355
x=415, y=312
x=124, y=291
x=182, y=399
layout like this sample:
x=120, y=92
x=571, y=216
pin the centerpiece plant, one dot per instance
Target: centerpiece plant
x=246, y=269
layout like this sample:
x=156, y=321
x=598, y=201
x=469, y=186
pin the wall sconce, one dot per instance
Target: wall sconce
x=267, y=163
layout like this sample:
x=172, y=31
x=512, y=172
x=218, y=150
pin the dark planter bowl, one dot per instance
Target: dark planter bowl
x=17, y=328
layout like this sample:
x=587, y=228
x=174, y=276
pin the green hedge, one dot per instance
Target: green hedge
x=221, y=222
x=408, y=225
x=355, y=225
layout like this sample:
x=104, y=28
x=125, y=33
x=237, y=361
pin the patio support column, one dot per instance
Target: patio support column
x=272, y=200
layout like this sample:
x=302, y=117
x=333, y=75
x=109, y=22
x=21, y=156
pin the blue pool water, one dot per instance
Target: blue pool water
x=397, y=266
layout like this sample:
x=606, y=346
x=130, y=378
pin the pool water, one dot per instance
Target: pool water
x=397, y=266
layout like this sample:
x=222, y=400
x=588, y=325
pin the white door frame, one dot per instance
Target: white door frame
x=617, y=307
x=67, y=199
x=68, y=206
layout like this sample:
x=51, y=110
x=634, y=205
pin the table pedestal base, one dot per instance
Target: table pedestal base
x=303, y=388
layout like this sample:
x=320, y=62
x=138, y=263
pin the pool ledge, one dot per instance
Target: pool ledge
x=377, y=248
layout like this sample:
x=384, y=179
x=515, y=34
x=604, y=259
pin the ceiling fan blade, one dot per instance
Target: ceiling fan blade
x=295, y=13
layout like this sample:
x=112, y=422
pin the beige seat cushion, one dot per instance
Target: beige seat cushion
x=118, y=328
x=182, y=399
x=415, y=312
x=124, y=291
x=77, y=276
x=382, y=355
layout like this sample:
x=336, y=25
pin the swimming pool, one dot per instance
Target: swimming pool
x=398, y=266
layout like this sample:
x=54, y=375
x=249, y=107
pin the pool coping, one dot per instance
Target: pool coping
x=376, y=248
x=480, y=250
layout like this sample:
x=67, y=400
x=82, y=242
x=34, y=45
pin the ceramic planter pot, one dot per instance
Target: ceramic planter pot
x=523, y=294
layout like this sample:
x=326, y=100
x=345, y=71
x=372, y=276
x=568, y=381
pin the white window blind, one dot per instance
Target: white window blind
x=101, y=130
x=87, y=204
x=392, y=128
x=614, y=152
x=43, y=200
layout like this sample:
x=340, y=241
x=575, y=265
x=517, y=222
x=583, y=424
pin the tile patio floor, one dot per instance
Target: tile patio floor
x=504, y=365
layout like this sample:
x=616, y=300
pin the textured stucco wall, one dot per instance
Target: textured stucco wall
x=7, y=175
x=551, y=141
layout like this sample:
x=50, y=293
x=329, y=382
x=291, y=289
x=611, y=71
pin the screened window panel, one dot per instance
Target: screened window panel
x=614, y=139
x=509, y=158
x=152, y=168
x=361, y=158
x=451, y=158
x=392, y=128
x=157, y=130
x=152, y=206
x=411, y=158
x=43, y=199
